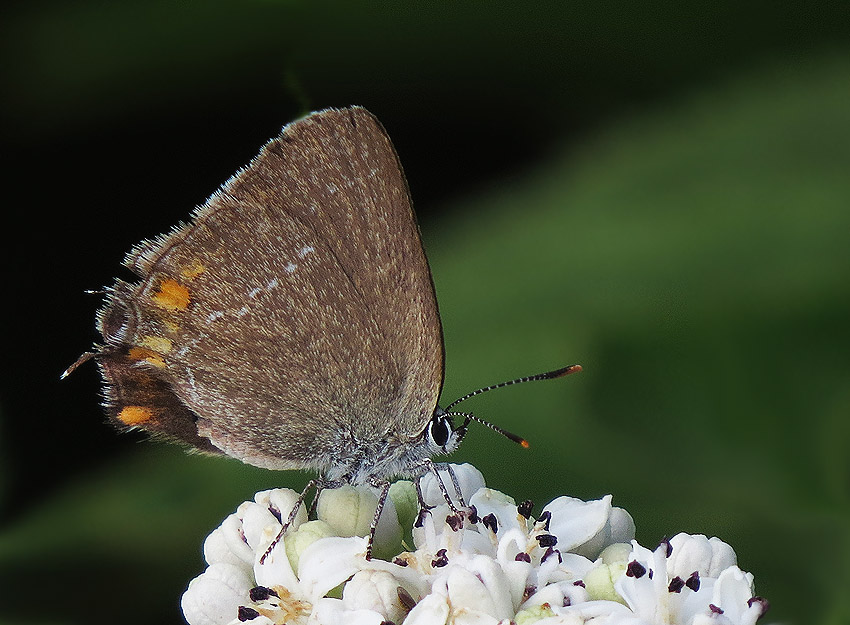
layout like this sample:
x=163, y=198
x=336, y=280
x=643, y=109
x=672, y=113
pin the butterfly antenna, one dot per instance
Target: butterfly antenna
x=468, y=416
x=549, y=375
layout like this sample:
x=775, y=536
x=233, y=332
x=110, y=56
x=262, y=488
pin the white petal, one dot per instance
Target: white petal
x=695, y=552
x=646, y=595
x=574, y=567
x=466, y=590
x=478, y=584
x=575, y=522
x=436, y=534
x=514, y=542
x=502, y=507
x=262, y=519
x=604, y=613
x=722, y=557
x=465, y=616
x=214, y=597
x=694, y=603
x=427, y=537
x=546, y=571
x=732, y=591
x=469, y=478
x=376, y=591
x=619, y=528
x=328, y=562
x=259, y=525
x=476, y=539
x=334, y=612
x=408, y=577
x=497, y=583
x=555, y=595
x=711, y=619
x=276, y=570
x=227, y=544
x=432, y=610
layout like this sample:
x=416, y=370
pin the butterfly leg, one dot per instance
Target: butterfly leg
x=424, y=508
x=434, y=469
x=321, y=484
x=318, y=484
x=445, y=466
x=382, y=499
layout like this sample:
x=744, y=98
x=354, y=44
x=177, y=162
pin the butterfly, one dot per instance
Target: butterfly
x=292, y=323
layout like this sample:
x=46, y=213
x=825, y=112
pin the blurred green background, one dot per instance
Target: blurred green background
x=660, y=192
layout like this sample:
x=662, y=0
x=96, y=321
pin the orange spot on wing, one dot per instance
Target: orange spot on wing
x=193, y=270
x=158, y=344
x=172, y=296
x=134, y=415
x=141, y=353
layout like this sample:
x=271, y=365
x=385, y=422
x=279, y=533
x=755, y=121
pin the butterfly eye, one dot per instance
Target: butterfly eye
x=441, y=428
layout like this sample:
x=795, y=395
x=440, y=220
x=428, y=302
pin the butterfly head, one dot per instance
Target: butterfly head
x=442, y=436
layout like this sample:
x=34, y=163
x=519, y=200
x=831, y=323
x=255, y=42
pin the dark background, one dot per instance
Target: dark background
x=658, y=191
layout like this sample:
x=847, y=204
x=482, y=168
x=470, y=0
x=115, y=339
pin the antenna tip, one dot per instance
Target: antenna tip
x=524, y=443
x=567, y=371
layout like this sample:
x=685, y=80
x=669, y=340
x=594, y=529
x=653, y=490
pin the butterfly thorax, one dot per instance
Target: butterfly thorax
x=366, y=460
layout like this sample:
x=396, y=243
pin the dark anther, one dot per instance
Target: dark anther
x=441, y=559
x=635, y=569
x=668, y=546
x=490, y=522
x=547, y=540
x=399, y=562
x=651, y=573
x=406, y=600
x=545, y=518
x=472, y=515
x=551, y=551
x=522, y=557
x=578, y=582
x=246, y=614
x=525, y=508
x=676, y=584
x=276, y=513
x=261, y=593
x=420, y=518
x=455, y=522
x=693, y=581
x=715, y=609
x=765, y=604
x=529, y=590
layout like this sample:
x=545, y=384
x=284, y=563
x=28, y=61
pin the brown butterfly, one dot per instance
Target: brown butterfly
x=292, y=323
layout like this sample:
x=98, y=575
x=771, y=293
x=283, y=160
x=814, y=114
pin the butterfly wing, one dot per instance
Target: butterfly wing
x=293, y=315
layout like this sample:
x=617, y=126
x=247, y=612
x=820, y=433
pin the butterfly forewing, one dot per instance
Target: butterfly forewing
x=295, y=310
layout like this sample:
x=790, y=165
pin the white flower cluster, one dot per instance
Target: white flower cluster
x=490, y=564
